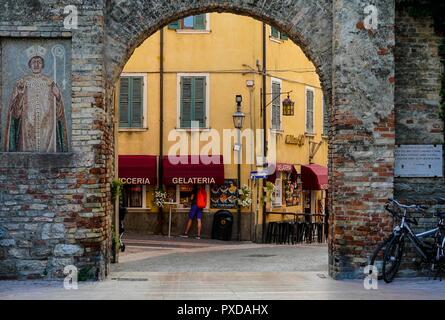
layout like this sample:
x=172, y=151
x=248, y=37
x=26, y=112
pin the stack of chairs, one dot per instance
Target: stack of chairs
x=293, y=232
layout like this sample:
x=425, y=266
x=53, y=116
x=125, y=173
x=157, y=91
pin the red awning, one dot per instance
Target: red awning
x=283, y=167
x=314, y=177
x=193, y=170
x=138, y=169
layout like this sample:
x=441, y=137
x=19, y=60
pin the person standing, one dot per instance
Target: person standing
x=198, y=203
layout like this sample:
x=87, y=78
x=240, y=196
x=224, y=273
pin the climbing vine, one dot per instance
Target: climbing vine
x=434, y=9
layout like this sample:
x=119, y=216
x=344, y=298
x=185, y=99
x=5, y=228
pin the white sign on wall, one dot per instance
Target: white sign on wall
x=420, y=161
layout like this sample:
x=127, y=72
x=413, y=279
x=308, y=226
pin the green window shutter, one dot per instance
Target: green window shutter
x=309, y=111
x=275, y=33
x=186, y=102
x=137, y=101
x=200, y=22
x=276, y=108
x=175, y=25
x=200, y=101
x=124, y=110
x=284, y=37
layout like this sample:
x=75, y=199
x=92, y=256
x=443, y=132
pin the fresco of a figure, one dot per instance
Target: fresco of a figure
x=35, y=117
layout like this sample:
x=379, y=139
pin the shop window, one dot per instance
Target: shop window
x=193, y=102
x=224, y=196
x=309, y=111
x=198, y=23
x=172, y=194
x=292, y=189
x=276, y=105
x=277, y=34
x=131, y=102
x=133, y=196
x=185, y=196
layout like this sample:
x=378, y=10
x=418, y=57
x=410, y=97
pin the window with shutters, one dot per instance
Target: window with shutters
x=191, y=23
x=276, y=34
x=193, y=101
x=276, y=104
x=132, y=101
x=310, y=101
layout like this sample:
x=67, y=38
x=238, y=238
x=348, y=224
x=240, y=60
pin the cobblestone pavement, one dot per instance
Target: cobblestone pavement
x=185, y=269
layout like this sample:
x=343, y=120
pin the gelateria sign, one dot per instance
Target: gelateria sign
x=177, y=180
x=419, y=161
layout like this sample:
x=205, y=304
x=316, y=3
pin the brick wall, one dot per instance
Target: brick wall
x=418, y=84
x=55, y=208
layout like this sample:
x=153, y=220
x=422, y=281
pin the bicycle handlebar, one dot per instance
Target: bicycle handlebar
x=403, y=206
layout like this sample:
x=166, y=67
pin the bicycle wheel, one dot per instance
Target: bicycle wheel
x=393, y=258
x=378, y=254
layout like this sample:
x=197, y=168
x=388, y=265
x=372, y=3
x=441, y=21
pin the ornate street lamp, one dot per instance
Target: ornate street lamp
x=288, y=107
x=238, y=122
x=239, y=116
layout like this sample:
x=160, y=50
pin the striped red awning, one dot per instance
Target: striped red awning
x=138, y=169
x=314, y=177
x=193, y=170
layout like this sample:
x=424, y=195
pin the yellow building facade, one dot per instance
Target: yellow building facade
x=207, y=61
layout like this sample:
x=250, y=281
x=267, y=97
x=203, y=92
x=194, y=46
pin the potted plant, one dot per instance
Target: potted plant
x=268, y=192
x=160, y=198
x=244, y=197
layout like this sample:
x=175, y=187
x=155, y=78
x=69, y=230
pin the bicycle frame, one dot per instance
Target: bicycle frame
x=416, y=239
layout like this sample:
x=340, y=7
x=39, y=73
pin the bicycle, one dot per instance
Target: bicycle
x=380, y=250
x=394, y=246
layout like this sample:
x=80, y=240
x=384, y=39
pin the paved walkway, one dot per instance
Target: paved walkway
x=158, y=254
x=222, y=286
x=159, y=268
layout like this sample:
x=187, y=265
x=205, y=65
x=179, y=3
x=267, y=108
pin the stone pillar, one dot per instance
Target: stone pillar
x=55, y=208
x=363, y=135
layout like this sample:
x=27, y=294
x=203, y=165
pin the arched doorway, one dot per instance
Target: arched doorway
x=233, y=56
x=360, y=158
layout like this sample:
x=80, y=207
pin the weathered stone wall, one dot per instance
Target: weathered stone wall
x=418, y=84
x=54, y=208
x=362, y=134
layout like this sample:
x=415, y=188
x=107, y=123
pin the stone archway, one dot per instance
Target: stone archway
x=74, y=222
x=309, y=25
x=362, y=135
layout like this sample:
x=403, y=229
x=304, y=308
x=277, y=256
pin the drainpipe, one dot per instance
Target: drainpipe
x=116, y=223
x=161, y=126
x=253, y=208
x=264, y=108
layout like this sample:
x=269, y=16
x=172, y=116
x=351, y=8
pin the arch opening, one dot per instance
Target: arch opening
x=144, y=48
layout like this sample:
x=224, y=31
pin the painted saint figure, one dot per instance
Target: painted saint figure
x=36, y=116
